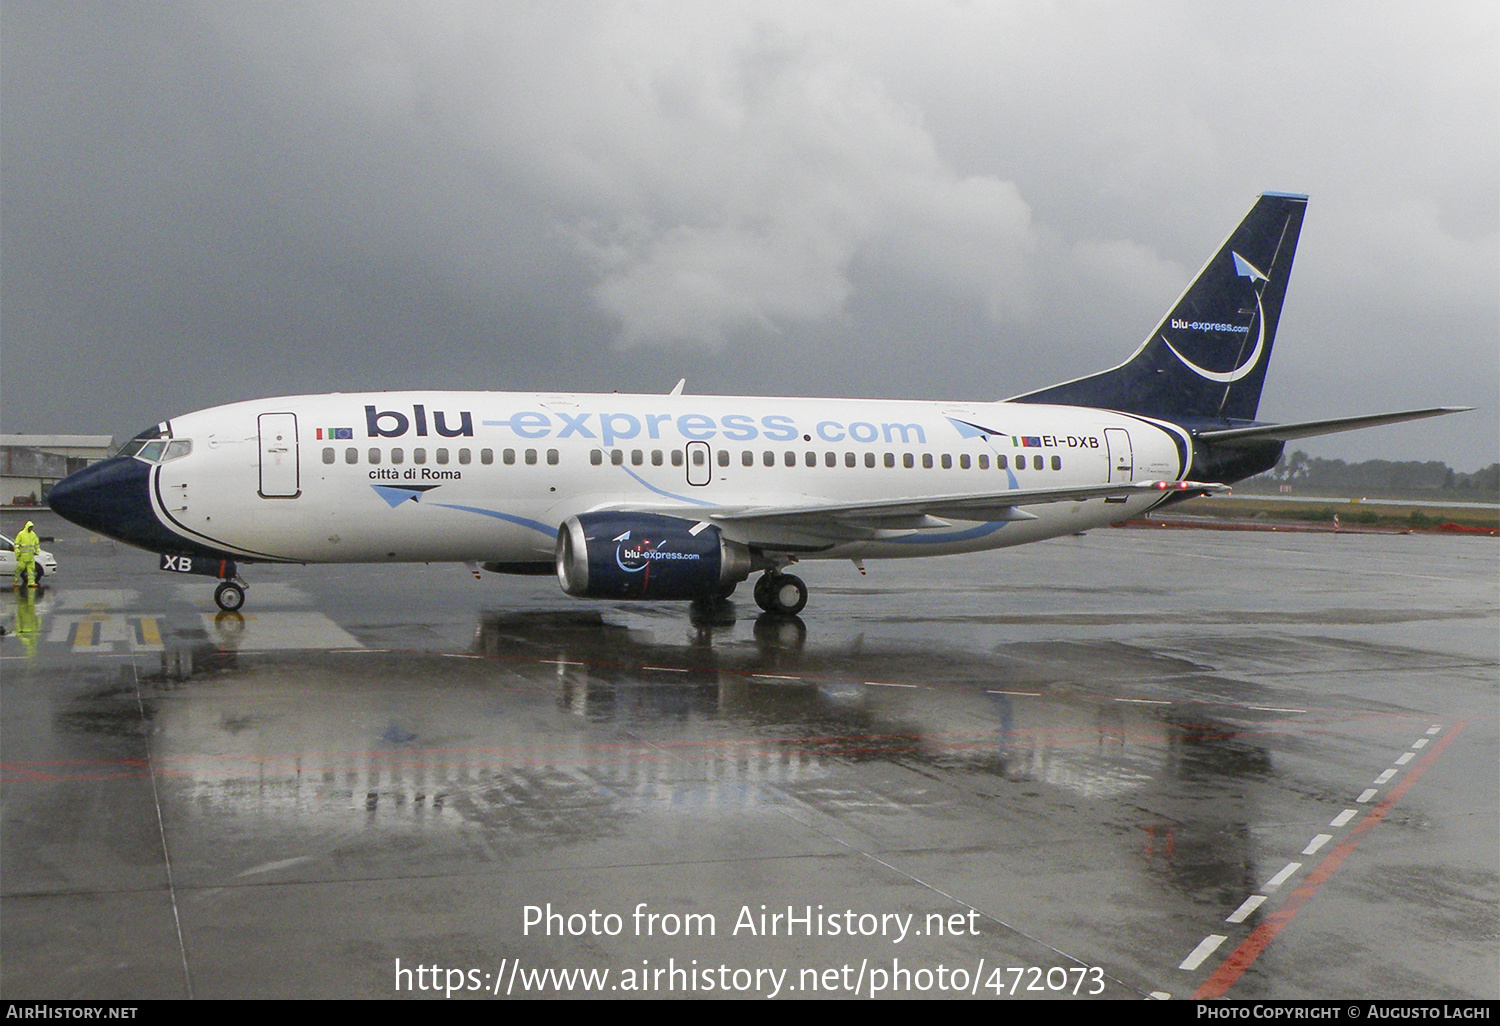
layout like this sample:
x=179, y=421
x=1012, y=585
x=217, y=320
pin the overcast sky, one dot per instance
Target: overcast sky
x=207, y=202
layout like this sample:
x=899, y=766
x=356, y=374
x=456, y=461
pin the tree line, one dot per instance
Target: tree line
x=1306, y=473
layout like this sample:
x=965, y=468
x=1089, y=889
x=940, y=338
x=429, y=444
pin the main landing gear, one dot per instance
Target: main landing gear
x=783, y=594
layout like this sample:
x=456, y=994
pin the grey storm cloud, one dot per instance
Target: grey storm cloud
x=204, y=202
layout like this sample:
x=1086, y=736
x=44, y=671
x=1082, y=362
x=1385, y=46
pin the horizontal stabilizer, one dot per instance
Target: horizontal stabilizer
x=1309, y=428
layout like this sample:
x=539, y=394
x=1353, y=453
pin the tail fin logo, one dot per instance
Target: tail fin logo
x=1245, y=269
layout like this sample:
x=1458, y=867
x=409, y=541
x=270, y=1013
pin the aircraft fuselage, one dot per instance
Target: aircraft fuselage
x=489, y=477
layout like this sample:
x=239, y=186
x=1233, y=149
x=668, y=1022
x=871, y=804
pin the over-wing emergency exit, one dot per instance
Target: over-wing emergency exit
x=683, y=496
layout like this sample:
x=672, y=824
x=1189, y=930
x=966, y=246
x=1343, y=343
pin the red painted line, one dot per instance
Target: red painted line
x=1233, y=967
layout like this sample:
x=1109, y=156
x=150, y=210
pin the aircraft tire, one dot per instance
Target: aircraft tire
x=763, y=591
x=788, y=595
x=229, y=596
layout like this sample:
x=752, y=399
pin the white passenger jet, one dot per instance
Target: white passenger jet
x=683, y=497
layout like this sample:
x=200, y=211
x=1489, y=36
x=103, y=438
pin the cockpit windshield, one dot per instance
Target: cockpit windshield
x=136, y=444
x=156, y=445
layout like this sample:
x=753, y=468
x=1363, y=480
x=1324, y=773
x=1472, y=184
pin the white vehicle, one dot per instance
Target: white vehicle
x=683, y=497
x=45, y=564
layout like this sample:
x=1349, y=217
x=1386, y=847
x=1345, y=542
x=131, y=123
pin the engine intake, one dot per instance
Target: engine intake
x=647, y=556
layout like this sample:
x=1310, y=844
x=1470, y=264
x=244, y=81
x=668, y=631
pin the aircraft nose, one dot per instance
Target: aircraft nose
x=110, y=497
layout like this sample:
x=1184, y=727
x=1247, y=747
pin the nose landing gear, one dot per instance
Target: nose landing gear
x=779, y=593
x=230, y=595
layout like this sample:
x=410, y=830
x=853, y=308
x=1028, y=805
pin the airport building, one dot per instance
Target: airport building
x=31, y=464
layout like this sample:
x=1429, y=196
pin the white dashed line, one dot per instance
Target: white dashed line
x=1210, y=944
x=1282, y=877
x=883, y=684
x=1023, y=694
x=1249, y=905
x=1207, y=946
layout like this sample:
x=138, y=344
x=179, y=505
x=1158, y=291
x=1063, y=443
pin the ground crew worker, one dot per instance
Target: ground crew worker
x=27, y=544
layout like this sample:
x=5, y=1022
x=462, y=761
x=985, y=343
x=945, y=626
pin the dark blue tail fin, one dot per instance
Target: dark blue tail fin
x=1207, y=359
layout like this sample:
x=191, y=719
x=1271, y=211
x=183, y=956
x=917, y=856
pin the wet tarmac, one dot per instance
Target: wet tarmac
x=1127, y=764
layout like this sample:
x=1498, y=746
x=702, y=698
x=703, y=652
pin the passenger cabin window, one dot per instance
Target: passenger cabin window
x=419, y=455
x=552, y=457
x=329, y=455
x=351, y=455
x=486, y=456
x=398, y=455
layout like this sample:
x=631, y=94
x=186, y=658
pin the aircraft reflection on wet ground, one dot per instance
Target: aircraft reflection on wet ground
x=453, y=744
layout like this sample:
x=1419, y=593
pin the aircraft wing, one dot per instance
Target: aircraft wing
x=820, y=524
x=1310, y=428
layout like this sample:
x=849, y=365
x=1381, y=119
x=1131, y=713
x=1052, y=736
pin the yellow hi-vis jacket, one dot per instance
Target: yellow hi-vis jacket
x=27, y=545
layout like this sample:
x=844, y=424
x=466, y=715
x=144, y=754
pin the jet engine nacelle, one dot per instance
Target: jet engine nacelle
x=647, y=556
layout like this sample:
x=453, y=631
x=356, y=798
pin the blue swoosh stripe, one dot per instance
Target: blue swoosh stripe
x=989, y=527
x=680, y=498
x=535, y=525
